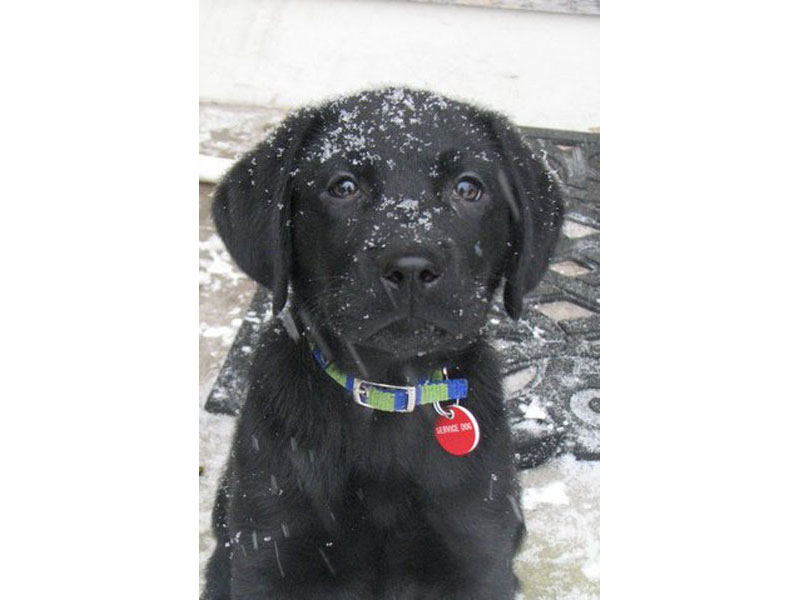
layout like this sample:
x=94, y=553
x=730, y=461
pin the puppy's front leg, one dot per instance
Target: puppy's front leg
x=218, y=576
x=218, y=569
x=289, y=569
x=480, y=536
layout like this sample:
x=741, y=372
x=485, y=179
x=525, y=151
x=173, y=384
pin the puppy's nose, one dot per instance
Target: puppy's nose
x=410, y=270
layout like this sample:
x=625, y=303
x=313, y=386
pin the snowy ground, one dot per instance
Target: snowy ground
x=560, y=502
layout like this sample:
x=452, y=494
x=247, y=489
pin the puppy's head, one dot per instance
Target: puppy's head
x=395, y=215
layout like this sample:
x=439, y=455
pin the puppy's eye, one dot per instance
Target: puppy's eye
x=343, y=188
x=467, y=189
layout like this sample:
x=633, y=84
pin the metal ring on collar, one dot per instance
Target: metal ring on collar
x=448, y=414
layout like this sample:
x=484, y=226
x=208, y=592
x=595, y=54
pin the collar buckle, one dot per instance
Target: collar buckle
x=360, y=394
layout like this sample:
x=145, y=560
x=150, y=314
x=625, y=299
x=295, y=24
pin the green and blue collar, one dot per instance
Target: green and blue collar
x=395, y=398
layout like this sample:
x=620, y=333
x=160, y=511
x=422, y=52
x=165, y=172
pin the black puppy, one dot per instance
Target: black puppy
x=385, y=222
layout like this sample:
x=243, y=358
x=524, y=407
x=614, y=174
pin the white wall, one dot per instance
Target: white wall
x=540, y=69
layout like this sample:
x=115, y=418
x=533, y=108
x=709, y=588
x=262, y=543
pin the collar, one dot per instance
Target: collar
x=395, y=398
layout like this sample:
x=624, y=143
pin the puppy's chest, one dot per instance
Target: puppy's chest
x=382, y=504
x=395, y=467
x=381, y=446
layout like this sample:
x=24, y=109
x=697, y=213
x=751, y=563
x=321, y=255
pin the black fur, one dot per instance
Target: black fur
x=323, y=498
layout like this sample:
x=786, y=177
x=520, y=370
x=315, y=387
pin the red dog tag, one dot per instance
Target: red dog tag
x=460, y=434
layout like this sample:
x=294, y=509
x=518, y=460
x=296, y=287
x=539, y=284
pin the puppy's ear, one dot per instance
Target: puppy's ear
x=534, y=199
x=252, y=206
